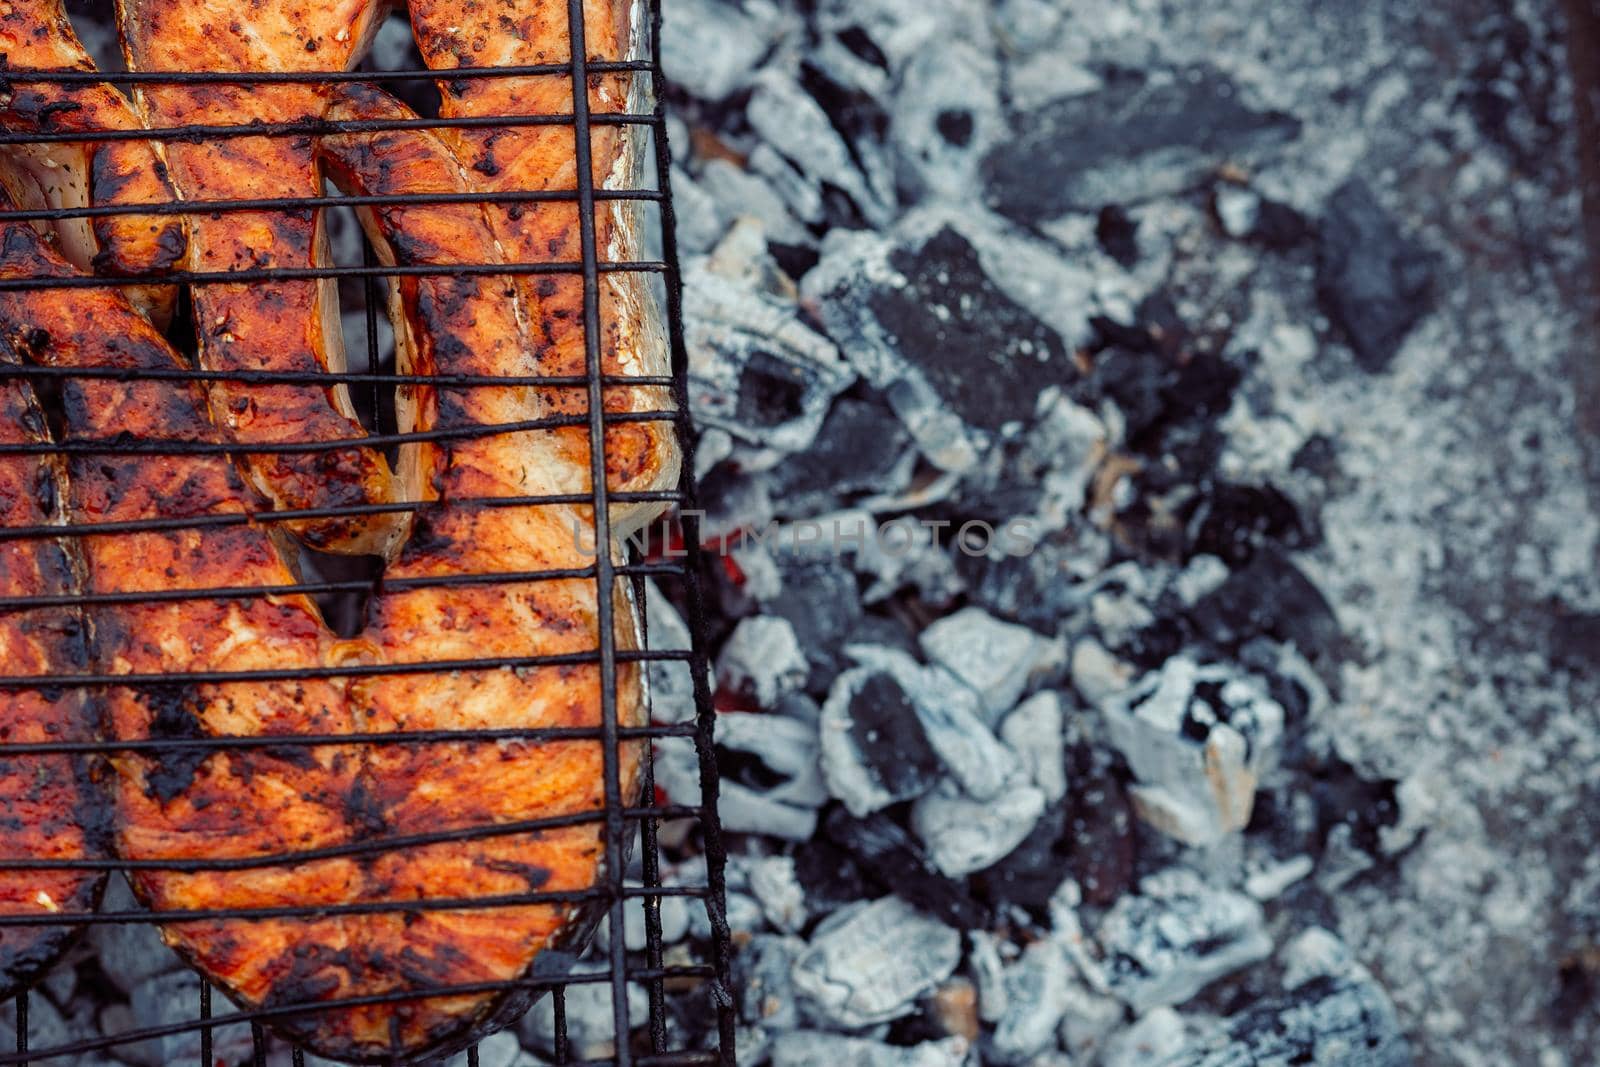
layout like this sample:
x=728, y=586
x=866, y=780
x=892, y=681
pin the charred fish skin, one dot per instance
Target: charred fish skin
x=37, y=36
x=283, y=326
x=274, y=803
x=51, y=805
x=451, y=34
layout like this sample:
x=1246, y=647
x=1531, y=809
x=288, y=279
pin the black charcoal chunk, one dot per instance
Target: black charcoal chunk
x=893, y=859
x=1136, y=139
x=1271, y=597
x=1326, y=1022
x=861, y=448
x=1373, y=280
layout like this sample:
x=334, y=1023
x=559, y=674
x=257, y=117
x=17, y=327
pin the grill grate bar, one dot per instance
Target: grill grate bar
x=322, y=77
x=290, y=274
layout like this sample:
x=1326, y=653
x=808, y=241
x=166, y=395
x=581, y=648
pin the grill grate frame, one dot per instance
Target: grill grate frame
x=618, y=820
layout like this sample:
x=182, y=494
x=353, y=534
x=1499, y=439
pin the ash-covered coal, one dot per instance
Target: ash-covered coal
x=1189, y=382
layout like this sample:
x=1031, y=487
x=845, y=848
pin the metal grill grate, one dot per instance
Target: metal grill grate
x=637, y=1042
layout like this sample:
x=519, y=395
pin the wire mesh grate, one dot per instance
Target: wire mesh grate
x=627, y=827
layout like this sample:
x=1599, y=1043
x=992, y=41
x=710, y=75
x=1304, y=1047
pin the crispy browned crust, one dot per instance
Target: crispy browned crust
x=37, y=36
x=488, y=33
x=286, y=326
x=50, y=807
x=265, y=802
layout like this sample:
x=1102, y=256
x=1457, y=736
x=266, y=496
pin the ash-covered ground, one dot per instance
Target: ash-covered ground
x=1263, y=321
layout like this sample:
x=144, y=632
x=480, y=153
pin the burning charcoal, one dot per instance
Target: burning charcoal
x=591, y=1027
x=1036, y=732
x=1178, y=936
x=955, y=1005
x=951, y=717
x=765, y=986
x=1372, y=280
x=710, y=47
x=964, y=835
x=822, y=601
x=997, y=659
x=1237, y=209
x=775, y=812
x=892, y=856
x=130, y=954
x=699, y=220
x=1040, y=588
x=1198, y=739
x=924, y=322
x=755, y=369
x=862, y=448
x=742, y=194
x=762, y=661
x=1137, y=139
x=777, y=890
x=1090, y=1019
x=671, y=684
x=871, y=965
x=1098, y=675
x=875, y=750
x=789, y=119
x=163, y=1001
x=831, y=877
x=946, y=117
x=814, y=1048
x=786, y=749
x=983, y=960
x=1036, y=999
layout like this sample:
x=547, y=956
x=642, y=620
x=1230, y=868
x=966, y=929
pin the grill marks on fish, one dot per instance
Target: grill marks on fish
x=286, y=326
x=475, y=33
x=50, y=807
x=259, y=802
x=37, y=36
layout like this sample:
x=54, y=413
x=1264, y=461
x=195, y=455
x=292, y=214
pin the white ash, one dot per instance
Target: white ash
x=868, y=965
x=1178, y=935
x=773, y=884
x=671, y=682
x=1036, y=731
x=1198, y=739
x=710, y=49
x=964, y=835
x=591, y=1029
x=1037, y=998
x=999, y=660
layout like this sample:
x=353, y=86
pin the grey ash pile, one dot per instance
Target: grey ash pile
x=1155, y=572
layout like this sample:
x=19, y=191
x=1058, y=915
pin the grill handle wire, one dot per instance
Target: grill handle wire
x=616, y=816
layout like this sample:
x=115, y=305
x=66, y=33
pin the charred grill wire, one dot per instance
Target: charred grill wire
x=638, y=1042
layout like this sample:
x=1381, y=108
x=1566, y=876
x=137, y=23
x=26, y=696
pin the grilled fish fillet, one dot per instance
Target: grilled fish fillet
x=35, y=35
x=534, y=158
x=356, y=797
x=49, y=805
x=287, y=326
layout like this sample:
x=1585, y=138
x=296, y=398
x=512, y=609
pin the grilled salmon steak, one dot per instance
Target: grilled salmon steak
x=358, y=803
x=49, y=807
x=288, y=326
x=35, y=35
x=503, y=158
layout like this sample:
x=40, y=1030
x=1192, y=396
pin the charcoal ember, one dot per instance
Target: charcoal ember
x=831, y=876
x=1235, y=521
x=816, y=1048
x=874, y=748
x=861, y=448
x=1038, y=588
x=778, y=752
x=899, y=864
x=1198, y=739
x=762, y=977
x=945, y=118
x=954, y=1008
x=709, y=48
x=130, y=954
x=923, y=320
x=795, y=125
x=742, y=808
x=1139, y=138
x=1271, y=597
x=1061, y=453
x=1037, y=991
x=591, y=1023
x=821, y=600
x=951, y=717
x=1175, y=937
x=1036, y=732
x=762, y=660
x=868, y=965
x=998, y=660
x=672, y=698
x=756, y=371
x=1373, y=280
x=745, y=193
x=964, y=835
